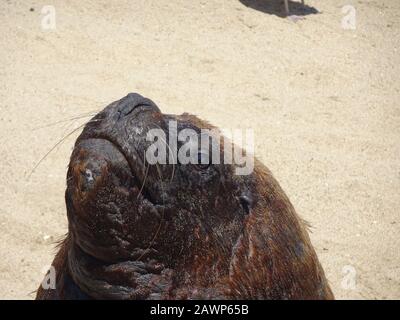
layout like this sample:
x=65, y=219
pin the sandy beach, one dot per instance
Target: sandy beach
x=321, y=91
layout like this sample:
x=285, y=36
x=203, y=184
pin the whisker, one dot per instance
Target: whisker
x=91, y=114
x=173, y=162
x=162, y=215
x=144, y=180
x=32, y=293
x=162, y=192
x=56, y=145
x=170, y=150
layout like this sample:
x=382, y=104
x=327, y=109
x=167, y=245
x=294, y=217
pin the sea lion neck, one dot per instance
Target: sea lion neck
x=124, y=280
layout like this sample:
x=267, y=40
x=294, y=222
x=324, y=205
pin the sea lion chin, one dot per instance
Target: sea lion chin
x=175, y=231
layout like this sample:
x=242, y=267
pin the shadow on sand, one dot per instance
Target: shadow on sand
x=277, y=7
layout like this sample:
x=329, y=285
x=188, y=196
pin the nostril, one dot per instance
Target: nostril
x=129, y=103
x=125, y=110
x=246, y=203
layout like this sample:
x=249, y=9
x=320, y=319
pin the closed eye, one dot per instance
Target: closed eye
x=203, y=160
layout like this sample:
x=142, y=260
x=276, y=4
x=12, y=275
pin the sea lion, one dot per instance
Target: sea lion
x=175, y=231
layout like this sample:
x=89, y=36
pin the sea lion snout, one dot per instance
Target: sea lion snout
x=131, y=102
x=91, y=164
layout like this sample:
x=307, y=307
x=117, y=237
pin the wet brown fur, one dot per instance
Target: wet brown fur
x=267, y=254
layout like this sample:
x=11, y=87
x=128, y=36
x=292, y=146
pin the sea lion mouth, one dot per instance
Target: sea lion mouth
x=116, y=202
x=126, y=125
x=93, y=162
x=137, y=181
x=113, y=219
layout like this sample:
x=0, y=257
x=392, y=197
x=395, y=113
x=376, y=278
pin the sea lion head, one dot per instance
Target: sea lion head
x=143, y=230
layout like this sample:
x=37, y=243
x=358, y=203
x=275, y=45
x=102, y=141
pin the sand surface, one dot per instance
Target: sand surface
x=323, y=101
